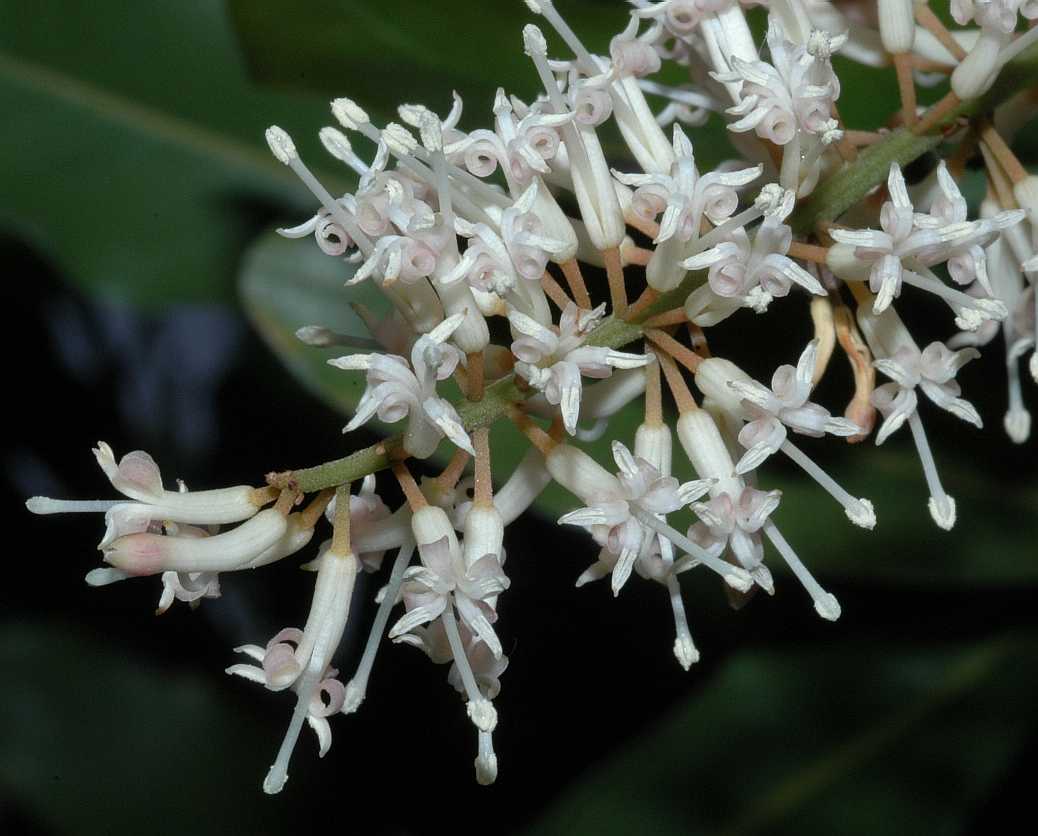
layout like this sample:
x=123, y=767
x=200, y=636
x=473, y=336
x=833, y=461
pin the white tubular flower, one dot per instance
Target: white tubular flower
x=933, y=370
x=523, y=148
x=553, y=359
x=785, y=404
x=770, y=411
x=745, y=273
x=795, y=93
x=137, y=477
x=965, y=255
x=494, y=263
x=149, y=554
x=908, y=244
x=734, y=521
x=901, y=359
x=615, y=523
x=684, y=196
x=396, y=389
x=301, y=660
x=443, y=581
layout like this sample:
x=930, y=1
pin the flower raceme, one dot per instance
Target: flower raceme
x=504, y=255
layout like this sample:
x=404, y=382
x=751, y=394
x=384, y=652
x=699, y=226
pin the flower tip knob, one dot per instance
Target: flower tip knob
x=533, y=40
x=943, y=511
x=685, y=652
x=486, y=769
x=1017, y=424
x=349, y=113
x=275, y=780
x=353, y=698
x=828, y=607
x=862, y=514
x=281, y=144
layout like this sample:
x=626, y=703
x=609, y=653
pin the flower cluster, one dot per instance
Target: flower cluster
x=505, y=256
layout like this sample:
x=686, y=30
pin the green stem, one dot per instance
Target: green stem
x=830, y=199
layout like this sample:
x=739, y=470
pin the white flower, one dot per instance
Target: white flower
x=615, y=524
x=745, y=273
x=908, y=243
x=785, y=404
x=794, y=93
x=999, y=15
x=933, y=370
x=553, y=359
x=522, y=147
x=735, y=522
x=443, y=580
x=396, y=389
x=684, y=196
x=301, y=660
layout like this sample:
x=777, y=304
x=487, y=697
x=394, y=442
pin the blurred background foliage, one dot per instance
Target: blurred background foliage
x=139, y=200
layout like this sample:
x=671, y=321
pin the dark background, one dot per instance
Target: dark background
x=137, y=196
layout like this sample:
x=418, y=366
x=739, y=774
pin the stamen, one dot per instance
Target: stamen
x=480, y=710
x=357, y=687
x=735, y=576
x=684, y=648
x=859, y=511
x=826, y=604
x=942, y=506
x=283, y=148
x=486, y=760
x=46, y=505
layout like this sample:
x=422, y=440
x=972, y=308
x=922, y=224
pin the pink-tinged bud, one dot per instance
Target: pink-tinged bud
x=149, y=554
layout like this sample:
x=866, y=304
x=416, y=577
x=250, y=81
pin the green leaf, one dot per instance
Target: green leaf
x=98, y=740
x=139, y=173
x=791, y=742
